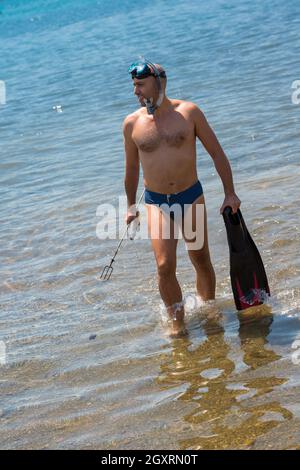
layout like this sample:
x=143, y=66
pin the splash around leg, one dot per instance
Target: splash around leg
x=177, y=328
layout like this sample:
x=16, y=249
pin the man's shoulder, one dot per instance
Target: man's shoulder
x=133, y=117
x=188, y=105
x=191, y=110
x=130, y=120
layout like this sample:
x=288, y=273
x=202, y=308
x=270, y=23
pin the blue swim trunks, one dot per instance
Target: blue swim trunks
x=183, y=199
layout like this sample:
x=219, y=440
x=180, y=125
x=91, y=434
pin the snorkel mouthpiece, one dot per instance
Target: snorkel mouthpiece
x=150, y=106
x=145, y=69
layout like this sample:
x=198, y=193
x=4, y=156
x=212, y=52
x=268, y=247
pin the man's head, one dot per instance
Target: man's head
x=149, y=81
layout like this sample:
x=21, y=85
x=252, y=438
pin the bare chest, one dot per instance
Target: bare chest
x=149, y=135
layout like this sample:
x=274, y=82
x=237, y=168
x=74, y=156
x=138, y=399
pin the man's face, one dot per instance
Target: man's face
x=144, y=88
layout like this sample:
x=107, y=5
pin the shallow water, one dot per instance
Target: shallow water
x=234, y=381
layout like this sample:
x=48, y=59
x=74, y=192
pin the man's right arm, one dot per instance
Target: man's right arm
x=132, y=163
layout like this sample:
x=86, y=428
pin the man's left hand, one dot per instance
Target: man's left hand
x=232, y=201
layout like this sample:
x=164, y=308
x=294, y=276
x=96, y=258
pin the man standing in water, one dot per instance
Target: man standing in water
x=161, y=135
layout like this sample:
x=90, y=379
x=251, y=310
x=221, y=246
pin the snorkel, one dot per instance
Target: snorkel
x=151, y=107
x=144, y=69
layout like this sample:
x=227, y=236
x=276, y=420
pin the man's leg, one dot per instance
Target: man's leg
x=160, y=226
x=206, y=279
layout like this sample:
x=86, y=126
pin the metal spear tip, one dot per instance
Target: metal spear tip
x=106, y=273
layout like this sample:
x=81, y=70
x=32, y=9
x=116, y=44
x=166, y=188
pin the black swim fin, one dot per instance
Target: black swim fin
x=248, y=276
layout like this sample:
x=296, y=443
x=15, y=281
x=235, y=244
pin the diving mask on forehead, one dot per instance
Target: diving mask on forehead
x=143, y=69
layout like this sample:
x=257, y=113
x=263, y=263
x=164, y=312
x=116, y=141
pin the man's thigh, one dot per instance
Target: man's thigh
x=163, y=233
x=194, y=229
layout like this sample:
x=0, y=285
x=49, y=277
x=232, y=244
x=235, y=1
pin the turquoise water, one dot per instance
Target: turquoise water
x=132, y=387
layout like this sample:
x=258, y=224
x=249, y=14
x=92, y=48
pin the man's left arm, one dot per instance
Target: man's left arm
x=210, y=142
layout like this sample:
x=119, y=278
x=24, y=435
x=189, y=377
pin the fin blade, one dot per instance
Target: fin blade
x=248, y=276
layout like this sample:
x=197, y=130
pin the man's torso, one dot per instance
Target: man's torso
x=167, y=148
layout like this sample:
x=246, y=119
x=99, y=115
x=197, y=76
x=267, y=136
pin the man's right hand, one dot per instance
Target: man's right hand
x=131, y=215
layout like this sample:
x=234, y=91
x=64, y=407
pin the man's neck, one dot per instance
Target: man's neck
x=165, y=106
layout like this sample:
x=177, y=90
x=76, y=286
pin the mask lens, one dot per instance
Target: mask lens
x=139, y=70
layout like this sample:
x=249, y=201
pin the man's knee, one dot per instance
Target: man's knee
x=166, y=268
x=201, y=259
